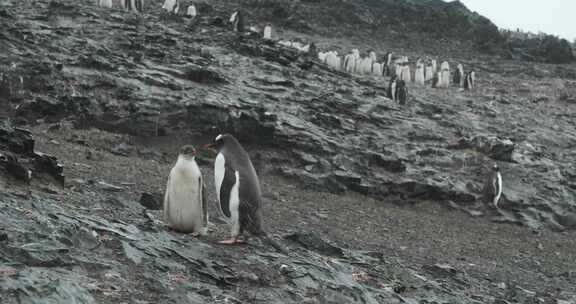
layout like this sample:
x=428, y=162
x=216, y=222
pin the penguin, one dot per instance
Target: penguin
x=268, y=31
x=311, y=50
x=401, y=92
x=436, y=79
x=419, y=77
x=388, y=64
x=458, y=78
x=405, y=72
x=493, y=186
x=444, y=79
x=191, y=12
x=185, y=197
x=373, y=56
x=237, y=21
x=172, y=6
x=392, y=85
x=429, y=71
x=469, y=80
x=105, y=3
x=238, y=190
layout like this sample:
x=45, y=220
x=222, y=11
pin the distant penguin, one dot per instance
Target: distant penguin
x=469, y=80
x=444, y=79
x=419, y=76
x=392, y=85
x=133, y=5
x=401, y=92
x=237, y=21
x=429, y=71
x=373, y=56
x=238, y=190
x=436, y=79
x=105, y=3
x=185, y=198
x=171, y=6
x=377, y=69
x=349, y=63
x=388, y=64
x=312, y=50
x=267, y=32
x=493, y=186
x=458, y=79
x=406, y=73
x=191, y=12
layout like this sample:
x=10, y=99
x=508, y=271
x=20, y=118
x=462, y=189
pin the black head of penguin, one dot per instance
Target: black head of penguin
x=468, y=81
x=188, y=151
x=495, y=168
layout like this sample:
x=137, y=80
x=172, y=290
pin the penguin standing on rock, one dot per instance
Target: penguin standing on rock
x=401, y=92
x=185, y=198
x=171, y=6
x=392, y=85
x=458, y=78
x=469, y=80
x=493, y=186
x=238, y=190
x=237, y=21
x=267, y=32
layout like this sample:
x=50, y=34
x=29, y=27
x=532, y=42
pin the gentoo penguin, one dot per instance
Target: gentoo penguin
x=237, y=21
x=493, y=186
x=185, y=197
x=238, y=190
x=172, y=6
x=373, y=56
x=419, y=76
x=469, y=80
x=436, y=79
x=444, y=79
x=392, y=85
x=429, y=71
x=458, y=78
x=311, y=50
x=105, y=3
x=388, y=64
x=267, y=31
x=401, y=92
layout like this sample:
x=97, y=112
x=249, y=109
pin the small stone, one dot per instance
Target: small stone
x=109, y=187
x=121, y=149
x=151, y=201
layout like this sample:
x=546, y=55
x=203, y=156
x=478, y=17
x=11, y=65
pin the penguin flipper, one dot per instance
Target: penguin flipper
x=166, y=205
x=228, y=182
x=204, y=204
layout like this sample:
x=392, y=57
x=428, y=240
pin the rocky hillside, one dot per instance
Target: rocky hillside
x=379, y=202
x=432, y=25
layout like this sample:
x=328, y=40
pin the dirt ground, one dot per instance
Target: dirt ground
x=493, y=254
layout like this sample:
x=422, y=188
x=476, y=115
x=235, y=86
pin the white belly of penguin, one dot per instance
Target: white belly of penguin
x=183, y=203
x=498, y=192
x=234, y=197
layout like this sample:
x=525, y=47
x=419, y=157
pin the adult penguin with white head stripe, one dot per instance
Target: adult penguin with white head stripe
x=238, y=190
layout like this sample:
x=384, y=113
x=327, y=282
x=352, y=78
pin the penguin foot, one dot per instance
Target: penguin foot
x=231, y=242
x=195, y=234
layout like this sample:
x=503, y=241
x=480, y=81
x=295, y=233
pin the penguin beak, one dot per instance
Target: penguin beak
x=210, y=147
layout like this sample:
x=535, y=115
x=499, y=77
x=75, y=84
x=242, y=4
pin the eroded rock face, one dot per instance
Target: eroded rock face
x=328, y=130
x=18, y=159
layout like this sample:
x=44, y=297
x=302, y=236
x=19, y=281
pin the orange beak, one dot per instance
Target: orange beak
x=210, y=147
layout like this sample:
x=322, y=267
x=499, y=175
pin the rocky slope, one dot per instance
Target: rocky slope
x=74, y=72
